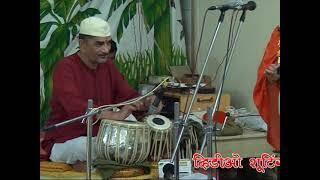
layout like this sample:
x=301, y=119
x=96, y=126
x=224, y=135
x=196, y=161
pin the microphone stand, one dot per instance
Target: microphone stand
x=185, y=120
x=89, y=132
x=89, y=140
x=177, y=127
x=49, y=128
x=212, y=111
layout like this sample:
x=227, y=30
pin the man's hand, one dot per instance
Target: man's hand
x=148, y=102
x=124, y=112
x=271, y=73
x=140, y=106
x=144, y=104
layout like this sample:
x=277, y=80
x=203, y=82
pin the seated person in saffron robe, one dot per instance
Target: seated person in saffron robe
x=87, y=74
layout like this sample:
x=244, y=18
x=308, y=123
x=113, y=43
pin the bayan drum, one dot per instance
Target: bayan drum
x=192, y=136
x=161, y=136
x=124, y=142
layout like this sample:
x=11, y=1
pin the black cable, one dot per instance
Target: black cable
x=196, y=61
x=224, y=58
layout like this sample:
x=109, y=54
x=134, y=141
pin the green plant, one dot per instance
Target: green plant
x=156, y=14
x=139, y=67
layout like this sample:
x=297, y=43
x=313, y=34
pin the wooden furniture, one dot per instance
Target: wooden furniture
x=202, y=101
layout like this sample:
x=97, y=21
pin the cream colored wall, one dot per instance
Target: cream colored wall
x=253, y=38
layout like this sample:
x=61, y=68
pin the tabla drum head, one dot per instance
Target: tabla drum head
x=158, y=122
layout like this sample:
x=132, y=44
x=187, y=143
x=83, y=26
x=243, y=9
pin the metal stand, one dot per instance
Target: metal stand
x=176, y=130
x=89, y=140
x=209, y=134
x=212, y=111
x=89, y=132
x=185, y=120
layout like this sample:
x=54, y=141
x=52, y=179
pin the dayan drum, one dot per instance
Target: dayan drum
x=161, y=136
x=124, y=142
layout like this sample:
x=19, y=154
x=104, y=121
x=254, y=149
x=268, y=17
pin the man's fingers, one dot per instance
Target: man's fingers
x=268, y=71
x=129, y=108
x=132, y=108
x=160, y=107
x=139, y=105
x=273, y=67
x=150, y=100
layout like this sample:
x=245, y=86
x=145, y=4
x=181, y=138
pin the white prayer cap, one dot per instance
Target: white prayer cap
x=95, y=26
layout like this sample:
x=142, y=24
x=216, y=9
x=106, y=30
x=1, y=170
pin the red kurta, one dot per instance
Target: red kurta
x=73, y=84
x=266, y=95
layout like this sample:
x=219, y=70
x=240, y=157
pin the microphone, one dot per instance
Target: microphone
x=224, y=7
x=238, y=5
x=154, y=106
x=251, y=5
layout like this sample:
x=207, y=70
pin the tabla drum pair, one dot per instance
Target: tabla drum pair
x=127, y=142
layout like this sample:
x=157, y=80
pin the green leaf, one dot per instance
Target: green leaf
x=45, y=8
x=119, y=3
x=83, y=2
x=147, y=4
x=63, y=7
x=54, y=51
x=49, y=56
x=153, y=11
x=44, y=29
x=162, y=53
x=132, y=11
x=149, y=15
x=84, y=14
x=120, y=30
x=116, y=4
x=164, y=5
x=111, y=9
x=126, y=16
